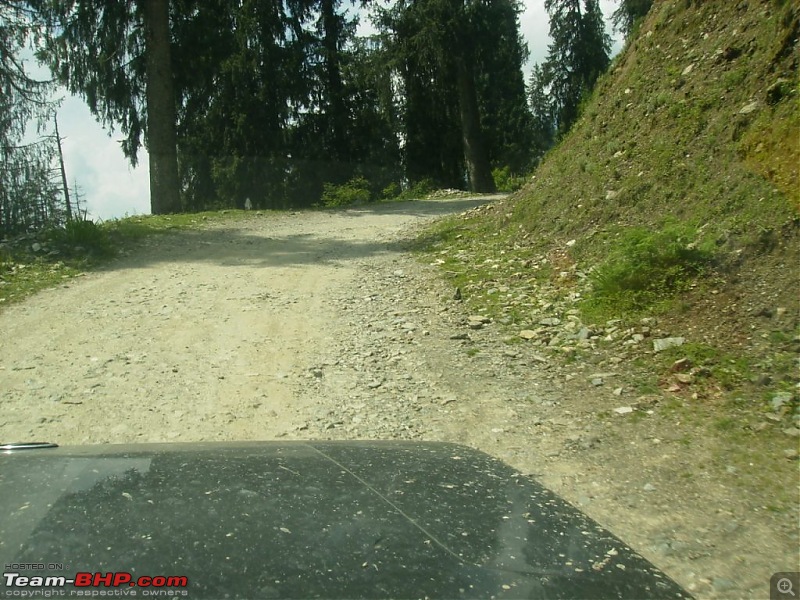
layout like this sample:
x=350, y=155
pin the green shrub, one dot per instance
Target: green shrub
x=506, y=181
x=418, y=190
x=391, y=191
x=83, y=236
x=355, y=191
x=645, y=267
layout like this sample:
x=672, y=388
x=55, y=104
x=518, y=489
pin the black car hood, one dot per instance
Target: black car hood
x=308, y=520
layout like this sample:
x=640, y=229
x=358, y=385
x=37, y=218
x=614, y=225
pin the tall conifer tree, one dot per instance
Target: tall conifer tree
x=116, y=55
x=28, y=197
x=578, y=54
x=628, y=13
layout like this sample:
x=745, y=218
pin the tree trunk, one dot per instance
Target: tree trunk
x=475, y=154
x=161, y=117
x=63, y=171
x=337, y=110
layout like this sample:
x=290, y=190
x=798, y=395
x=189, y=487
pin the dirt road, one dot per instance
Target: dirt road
x=319, y=325
x=220, y=334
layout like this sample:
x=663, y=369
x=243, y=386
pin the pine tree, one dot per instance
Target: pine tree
x=29, y=197
x=500, y=55
x=116, y=55
x=629, y=13
x=544, y=122
x=244, y=73
x=578, y=54
x=286, y=101
x=431, y=124
x=595, y=44
x=161, y=113
x=373, y=123
x=331, y=27
x=438, y=37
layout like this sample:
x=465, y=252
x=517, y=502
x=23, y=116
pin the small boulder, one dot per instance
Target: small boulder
x=662, y=344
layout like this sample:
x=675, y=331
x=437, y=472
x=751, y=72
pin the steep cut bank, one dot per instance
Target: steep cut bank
x=697, y=120
x=677, y=191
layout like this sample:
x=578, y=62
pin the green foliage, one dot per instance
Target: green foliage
x=79, y=238
x=645, y=267
x=28, y=197
x=577, y=56
x=95, y=49
x=355, y=191
x=82, y=237
x=418, y=190
x=391, y=191
x=505, y=181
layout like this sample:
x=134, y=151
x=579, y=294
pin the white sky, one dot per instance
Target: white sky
x=111, y=188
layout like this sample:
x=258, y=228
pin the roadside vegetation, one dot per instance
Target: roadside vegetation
x=36, y=261
x=645, y=269
x=359, y=191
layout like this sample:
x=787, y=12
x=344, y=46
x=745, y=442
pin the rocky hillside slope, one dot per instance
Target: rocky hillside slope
x=697, y=123
x=675, y=195
x=697, y=119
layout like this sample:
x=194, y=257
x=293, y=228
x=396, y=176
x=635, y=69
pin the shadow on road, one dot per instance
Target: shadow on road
x=422, y=208
x=238, y=245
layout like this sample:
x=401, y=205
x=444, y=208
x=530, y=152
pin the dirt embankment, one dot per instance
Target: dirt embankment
x=318, y=325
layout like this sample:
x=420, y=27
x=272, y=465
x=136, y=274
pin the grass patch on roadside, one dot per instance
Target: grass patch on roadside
x=645, y=268
x=724, y=370
x=18, y=280
x=137, y=227
x=32, y=262
x=493, y=274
